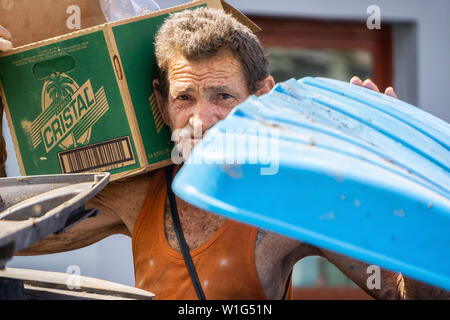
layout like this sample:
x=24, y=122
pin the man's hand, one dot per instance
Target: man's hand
x=372, y=86
x=5, y=39
x=412, y=289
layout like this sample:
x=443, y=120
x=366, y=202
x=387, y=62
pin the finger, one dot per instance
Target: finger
x=5, y=45
x=4, y=33
x=370, y=85
x=357, y=81
x=390, y=92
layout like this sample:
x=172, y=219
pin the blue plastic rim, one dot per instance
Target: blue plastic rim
x=357, y=172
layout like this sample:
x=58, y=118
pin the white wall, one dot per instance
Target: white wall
x=109, y=259
x=433, y=39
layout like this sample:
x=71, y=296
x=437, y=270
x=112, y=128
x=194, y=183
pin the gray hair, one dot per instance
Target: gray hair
x=200, y=34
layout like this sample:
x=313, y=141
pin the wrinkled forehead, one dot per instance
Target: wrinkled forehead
x=221, y=71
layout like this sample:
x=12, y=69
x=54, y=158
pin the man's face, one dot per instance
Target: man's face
x=200, y=94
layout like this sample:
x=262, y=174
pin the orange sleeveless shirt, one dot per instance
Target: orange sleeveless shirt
x=225, y=263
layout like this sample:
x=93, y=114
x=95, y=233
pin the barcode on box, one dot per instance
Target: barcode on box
x=103, y=156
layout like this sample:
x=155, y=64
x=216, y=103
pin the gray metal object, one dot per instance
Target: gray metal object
x=23, y=284
x=33, y=207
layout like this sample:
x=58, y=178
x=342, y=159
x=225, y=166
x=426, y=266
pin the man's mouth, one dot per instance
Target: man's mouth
x=194, y=141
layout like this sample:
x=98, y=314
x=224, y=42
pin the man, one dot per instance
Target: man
x=5, y=44
x=208, y=63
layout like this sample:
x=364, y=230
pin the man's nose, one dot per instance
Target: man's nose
x=206, y=116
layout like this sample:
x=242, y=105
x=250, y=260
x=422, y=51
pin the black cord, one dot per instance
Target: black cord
x=181, y=240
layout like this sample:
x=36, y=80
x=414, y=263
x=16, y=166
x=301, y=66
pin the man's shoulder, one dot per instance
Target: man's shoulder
x=125, y=197
x=280, y=246
x=276, y=241
x=137, y=183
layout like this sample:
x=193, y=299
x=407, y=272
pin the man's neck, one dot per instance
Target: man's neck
x=191, y=214
x=176, y=168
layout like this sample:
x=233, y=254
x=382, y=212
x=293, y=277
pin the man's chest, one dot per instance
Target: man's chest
x=197, y=225
x=269, y=248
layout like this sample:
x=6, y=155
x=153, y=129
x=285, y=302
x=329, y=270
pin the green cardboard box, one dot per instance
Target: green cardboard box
x=84, y=101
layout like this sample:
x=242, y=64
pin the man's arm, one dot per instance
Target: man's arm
x=392, y=285
x=416, y=290
x=85, y=233
x=120, y=203
x=5, y=44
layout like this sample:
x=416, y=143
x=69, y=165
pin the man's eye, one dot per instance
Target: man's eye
x=183, y=97
x=225, y=96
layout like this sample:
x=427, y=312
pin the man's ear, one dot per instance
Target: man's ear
x=265, y=86
x=159, y=100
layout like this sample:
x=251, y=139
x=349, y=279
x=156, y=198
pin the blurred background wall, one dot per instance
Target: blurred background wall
x=313, y=38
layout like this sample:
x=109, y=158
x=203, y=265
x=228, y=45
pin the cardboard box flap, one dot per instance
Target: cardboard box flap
x=220, y=4
x=30, y=21
x=242, y=18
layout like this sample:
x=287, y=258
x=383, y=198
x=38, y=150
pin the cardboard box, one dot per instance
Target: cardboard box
x=54, y=18
x=35, y=20
x=84, y=101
